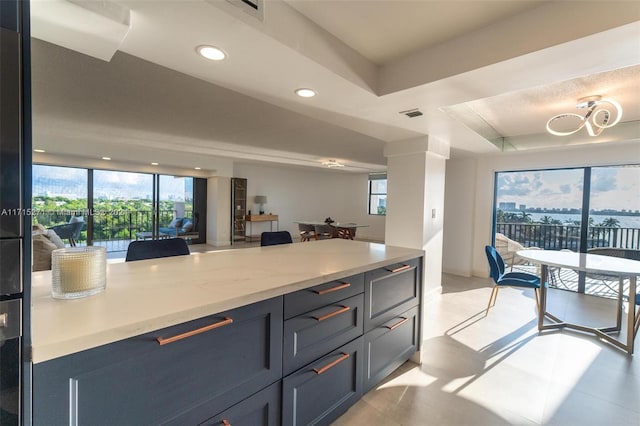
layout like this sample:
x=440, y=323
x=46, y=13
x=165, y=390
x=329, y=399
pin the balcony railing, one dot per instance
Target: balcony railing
x=557, y=237
x=114, y=231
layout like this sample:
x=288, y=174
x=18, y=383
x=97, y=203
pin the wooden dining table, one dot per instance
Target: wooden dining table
x=346, y=230
x=589, y=263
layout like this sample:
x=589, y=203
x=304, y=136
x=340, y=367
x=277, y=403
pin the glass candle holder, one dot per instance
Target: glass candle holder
x=78, y=272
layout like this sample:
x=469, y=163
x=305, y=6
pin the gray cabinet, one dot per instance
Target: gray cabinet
x=389, y=345
x=247, y=366
x=261, y=409
x=311, y=335
x=152, y=379
x=392, y=318
x=320, y=392
x=321, y=295
x=390, y=291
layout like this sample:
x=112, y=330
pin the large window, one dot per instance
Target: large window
x=576, y=209
x=588, y=209
x=378, y=194
x=115, y=207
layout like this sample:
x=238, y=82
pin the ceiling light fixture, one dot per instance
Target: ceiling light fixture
x=332, y=163
x=599, y=116
x=106, y=158
x=154, y=164
x=39, y=150
x=306, y=93
x=197, y=168
x=211, y=53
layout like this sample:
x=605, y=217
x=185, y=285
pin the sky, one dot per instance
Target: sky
x=615, y=188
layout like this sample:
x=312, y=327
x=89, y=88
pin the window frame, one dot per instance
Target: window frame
x=374, y=177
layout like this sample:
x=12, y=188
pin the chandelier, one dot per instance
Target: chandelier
x=601, y=113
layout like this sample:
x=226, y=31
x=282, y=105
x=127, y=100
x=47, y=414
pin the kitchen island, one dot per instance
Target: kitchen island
x=273, y=319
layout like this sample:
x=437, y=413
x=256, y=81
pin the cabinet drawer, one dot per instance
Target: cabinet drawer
x=261, y=409
x=311, y=335
x=320, y=392
x=10, y=266
x=391, y=290
x=141, y=382
x=389, y=345
x=314, y=297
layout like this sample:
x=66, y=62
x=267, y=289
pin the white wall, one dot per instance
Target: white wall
x=469, y=195
x=298, y=194
x=459, y=202
x=218, y=211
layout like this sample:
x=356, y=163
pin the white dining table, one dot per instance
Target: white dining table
x=590, y=263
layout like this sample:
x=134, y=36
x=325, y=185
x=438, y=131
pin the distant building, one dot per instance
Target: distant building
x=522, y=207
x=507, y=207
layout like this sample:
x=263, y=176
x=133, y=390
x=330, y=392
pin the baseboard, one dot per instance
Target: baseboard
x=459, y=272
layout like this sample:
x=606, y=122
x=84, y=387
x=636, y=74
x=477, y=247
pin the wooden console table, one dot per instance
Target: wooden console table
x=251, y=218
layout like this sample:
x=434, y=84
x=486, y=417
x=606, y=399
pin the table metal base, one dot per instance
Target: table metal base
x=600, y=332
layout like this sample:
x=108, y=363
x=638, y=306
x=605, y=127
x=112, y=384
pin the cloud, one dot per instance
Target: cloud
x=565, y=189
x=603, y=179
x=518, y=184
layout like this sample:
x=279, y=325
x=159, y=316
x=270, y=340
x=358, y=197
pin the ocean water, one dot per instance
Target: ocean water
x=625, y=221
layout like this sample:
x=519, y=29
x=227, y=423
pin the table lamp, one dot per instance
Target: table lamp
x=261, y=199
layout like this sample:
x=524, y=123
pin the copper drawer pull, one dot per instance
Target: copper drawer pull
x=332, y=289
x=333, y=314
x=400, y=269
x=225, y=422
x=163, y=341
x=398, y=324
x=331, y=364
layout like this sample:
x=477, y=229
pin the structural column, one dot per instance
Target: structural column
x=415, y=202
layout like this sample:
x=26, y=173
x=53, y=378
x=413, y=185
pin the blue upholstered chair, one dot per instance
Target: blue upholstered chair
x=151, y=249
x=275, y=238
x=507, y=279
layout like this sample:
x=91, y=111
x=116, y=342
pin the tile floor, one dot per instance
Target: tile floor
x=497, y=370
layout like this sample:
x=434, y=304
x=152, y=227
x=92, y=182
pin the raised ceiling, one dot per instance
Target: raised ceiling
x=508, y=65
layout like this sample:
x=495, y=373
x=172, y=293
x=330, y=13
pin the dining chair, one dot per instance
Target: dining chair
x=637, y=324
x=307, y=231
x=507, y=279
x=151, y=249
x=275, y=238
x=324, y=232
x=347, y=232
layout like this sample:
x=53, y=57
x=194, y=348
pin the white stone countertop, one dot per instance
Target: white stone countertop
x=148, y=295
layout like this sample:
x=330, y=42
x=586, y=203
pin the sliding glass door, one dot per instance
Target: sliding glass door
x=118, y=207
x=122, y=206
x=614, y=207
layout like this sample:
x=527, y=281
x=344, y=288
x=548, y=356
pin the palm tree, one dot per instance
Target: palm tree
x=525, y=217
x=547, y=220
x=610, y=222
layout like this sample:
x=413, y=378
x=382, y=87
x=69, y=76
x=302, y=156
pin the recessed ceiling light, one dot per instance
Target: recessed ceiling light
x=154, y=164
x=39, y=150
x=305, y=93
x=106, y=158
x=197, y=168
x=211, y=52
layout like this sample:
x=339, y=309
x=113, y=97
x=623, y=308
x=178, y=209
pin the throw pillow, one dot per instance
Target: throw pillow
x=176, y=223
x=54, y=238
x=187, y=226
x=75, y=219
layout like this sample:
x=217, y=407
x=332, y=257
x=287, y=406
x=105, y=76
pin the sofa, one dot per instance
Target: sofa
x=180, y=226
x=44, y=241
